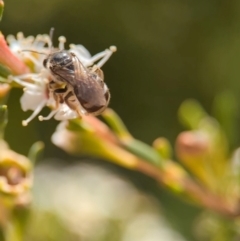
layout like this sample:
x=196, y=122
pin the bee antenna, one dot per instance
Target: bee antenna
x=51, y=38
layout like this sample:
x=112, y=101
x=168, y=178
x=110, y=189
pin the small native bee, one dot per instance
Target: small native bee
x=81, y=88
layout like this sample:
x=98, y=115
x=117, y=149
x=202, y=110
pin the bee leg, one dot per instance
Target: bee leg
x=98, y=71
x=71, y=103
x=57, y=86
x=49, y=116
x=79, y=113
x=58, y=95
x=57, y=100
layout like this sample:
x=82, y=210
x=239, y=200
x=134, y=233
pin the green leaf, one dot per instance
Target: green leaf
x=135, y=146
x=1, y=9
x=116, y=124
x=3, y=119
x=143, y=151
x=191, y=113
x=226, y=110
x=35, y=151
x=4, y=71
x=16, y=228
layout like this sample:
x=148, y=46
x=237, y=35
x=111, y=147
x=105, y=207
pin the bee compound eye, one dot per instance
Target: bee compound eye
x=107, y=96
x=45, y=63
x=92, y=108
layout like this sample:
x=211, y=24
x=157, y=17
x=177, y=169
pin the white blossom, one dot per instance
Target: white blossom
x=35, y=85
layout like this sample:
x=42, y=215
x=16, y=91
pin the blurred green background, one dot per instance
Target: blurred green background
x=168, y=51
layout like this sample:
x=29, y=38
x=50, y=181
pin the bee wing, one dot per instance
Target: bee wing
x=72, y=71
x=89, y=88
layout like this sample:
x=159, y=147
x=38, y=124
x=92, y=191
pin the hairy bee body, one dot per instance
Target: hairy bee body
x=81, y=88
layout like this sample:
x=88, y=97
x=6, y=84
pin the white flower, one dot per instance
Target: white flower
x=27, y=49
x=36, y=91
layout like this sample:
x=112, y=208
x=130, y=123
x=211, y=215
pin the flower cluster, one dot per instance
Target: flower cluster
x=32, y=51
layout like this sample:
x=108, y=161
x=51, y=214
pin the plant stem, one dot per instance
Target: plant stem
x=192, y=189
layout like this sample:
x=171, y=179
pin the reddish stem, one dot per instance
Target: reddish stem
x=8, y=59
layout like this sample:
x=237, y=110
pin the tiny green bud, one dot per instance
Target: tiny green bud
x=163, y=146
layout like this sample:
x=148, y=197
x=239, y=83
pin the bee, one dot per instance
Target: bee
x=82, y=88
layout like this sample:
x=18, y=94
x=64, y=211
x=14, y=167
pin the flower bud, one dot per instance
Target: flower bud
x=163, y=146
x=8, y=59
x=90, y=136
x=15, y=173
x=193, y=150
x=191, y=145
x=4, y=89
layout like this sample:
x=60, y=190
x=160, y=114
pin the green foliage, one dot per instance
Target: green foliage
x=3, y=119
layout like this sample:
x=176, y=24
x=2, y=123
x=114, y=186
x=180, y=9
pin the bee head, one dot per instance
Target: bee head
x=58, y=60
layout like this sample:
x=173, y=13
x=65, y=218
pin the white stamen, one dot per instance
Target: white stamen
x=32, y=92
x=34, y=114
x=26, y=76
x=22, y=82
x=62, y=41
x=51, y=114
x=40, y=41
x=34, y=60
x=81, y=50
x=113, y=48
x=102, y=56
x=108, y=52
x=20, y=36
